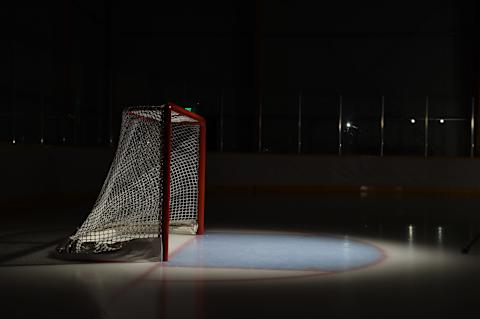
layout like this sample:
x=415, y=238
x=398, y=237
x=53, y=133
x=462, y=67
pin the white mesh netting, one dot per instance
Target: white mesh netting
x=184, y=181
x=130, y=203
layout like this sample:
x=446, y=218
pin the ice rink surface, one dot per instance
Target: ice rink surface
x=405, y=266
x=276, y=251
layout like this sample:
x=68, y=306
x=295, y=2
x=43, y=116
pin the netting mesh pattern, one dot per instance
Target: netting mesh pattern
x=184, y=181
x=130, y=202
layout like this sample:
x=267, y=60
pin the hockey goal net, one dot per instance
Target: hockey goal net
x=155, y=186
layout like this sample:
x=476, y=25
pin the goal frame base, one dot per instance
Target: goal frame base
x=135, y=250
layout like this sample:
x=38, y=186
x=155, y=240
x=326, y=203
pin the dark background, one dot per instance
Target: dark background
x=69, y=67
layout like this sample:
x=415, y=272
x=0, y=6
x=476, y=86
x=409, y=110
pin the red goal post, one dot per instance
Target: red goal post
x=177, y=115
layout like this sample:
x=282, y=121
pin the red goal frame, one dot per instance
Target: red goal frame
x=200, y=121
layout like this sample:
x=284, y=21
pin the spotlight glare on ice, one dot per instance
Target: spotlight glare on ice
x=410, y=232
x=440, y=234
